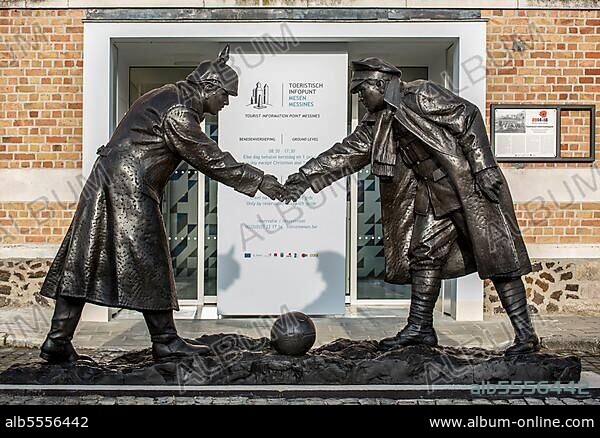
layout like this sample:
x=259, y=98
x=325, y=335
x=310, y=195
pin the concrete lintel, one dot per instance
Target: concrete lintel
x=281, y=14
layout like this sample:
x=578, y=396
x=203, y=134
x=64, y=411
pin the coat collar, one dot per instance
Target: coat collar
x=394, y=92
x=189, y=95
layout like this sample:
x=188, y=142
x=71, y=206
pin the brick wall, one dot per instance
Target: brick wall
x=549, y=57
x=546, y=57
x=41, y=88
x=575, y=134
x=566, y=222
x=34, y=222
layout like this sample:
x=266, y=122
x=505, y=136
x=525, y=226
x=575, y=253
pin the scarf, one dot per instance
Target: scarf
x=383, y=157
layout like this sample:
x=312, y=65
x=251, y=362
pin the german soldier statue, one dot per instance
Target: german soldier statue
x=116, y=251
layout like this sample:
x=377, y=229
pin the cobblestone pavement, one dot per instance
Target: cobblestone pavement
x=590, y=363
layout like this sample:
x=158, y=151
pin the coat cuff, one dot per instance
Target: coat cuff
x=250, y=180
x=316, y=176
x=480, y=159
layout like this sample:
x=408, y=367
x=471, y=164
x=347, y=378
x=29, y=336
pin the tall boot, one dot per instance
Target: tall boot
x=166, y=344
x=513, y=299
x=57, y=347
x=426, y=286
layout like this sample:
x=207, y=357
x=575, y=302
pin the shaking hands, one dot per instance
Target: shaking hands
x=271, y=187
x=294, y=187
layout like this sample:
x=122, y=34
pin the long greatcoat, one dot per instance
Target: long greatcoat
x=116, y=251
x=454, y=133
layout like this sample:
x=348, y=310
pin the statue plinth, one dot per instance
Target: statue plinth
x=240, y=360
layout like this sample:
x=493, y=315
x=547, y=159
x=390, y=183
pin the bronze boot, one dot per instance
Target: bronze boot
x=166, y=344
x=57, y=348
x=426, y=286
x=513, y=299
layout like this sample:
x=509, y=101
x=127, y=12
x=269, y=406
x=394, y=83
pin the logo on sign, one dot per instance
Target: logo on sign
x=260, y=96
x=542, y=118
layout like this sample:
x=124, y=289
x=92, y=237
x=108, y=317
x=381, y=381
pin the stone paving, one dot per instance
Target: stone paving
x=28, y=327
x=174, y=400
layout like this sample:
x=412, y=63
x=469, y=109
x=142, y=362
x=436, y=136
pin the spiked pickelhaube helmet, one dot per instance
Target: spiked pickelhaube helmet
x=216, y=72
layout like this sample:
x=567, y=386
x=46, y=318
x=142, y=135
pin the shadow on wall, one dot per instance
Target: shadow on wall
x=228, y=264
x=332, y=268
x=331, y=300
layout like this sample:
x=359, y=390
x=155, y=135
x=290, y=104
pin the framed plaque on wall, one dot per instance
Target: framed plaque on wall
x=543, y=133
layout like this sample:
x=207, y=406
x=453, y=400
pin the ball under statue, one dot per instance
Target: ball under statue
x=293, y=334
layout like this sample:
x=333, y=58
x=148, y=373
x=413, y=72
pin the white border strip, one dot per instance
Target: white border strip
x=41, y=185
x=591, y=379
x=233, y=388
x=538, y=251
x=554, y=186
x=28, y=251
x=551, y=251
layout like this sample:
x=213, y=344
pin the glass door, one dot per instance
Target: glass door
x=209, y=291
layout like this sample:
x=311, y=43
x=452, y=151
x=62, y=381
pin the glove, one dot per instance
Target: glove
x=489, y=181
x=271, y=187
x=296, y=185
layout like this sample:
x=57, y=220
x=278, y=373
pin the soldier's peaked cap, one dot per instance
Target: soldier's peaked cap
x=371, y=68
x=217, y=72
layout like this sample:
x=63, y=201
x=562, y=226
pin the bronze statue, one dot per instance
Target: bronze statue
x=116, y=251
x=446, y=207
